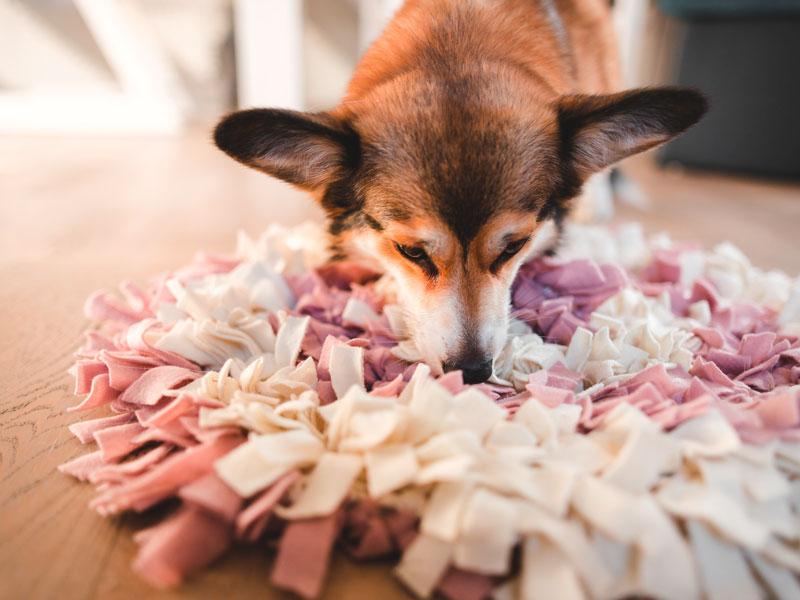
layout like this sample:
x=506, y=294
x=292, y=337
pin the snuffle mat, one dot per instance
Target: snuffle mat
x=640, y=436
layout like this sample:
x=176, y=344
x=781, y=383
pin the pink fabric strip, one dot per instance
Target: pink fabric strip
x=99, y=394
x=115, y=442
x=150, y=387
x=81, y=467
x=165, y=479
x=250, y=523
x=304, y=553
x=85, y=430
x=187, y=541
x=465, y=585
x=212, y=494
x=117, y=473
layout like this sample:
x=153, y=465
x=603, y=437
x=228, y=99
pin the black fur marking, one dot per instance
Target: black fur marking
x=342, y=199
x=568, y=183
x=431, y=272
x=340, y=222
x=337, y=254
x=397, y=213
x=372, y=222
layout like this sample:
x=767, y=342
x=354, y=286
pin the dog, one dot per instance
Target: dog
x=467, y=125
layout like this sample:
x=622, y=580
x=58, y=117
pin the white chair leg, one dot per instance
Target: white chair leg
x=269, y=52
x=630, y=21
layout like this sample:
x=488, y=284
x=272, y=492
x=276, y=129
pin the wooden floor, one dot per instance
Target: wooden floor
x=77, y=215
x=761, y=217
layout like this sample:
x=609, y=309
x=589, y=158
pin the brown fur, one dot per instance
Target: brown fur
x=466, y=124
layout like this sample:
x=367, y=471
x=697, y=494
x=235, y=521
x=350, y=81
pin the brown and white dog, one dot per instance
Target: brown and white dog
x=466, y=126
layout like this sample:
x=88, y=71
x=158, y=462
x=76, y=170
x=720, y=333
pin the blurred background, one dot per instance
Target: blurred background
x=106, y=108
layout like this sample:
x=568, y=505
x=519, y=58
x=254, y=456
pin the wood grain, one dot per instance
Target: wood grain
x=77, y=215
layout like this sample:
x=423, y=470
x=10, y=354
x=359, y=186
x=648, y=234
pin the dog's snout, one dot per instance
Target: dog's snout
x=473, y=370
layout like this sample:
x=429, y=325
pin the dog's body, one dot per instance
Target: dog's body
x=466, y=125
x=564, y=46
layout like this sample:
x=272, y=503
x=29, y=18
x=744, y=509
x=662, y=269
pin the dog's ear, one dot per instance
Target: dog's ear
x=308, y=150
x=597, y=131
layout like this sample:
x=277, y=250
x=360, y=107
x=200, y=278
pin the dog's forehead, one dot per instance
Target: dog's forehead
x=457, y=150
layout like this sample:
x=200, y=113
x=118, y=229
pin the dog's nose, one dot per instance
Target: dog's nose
x=473, y=371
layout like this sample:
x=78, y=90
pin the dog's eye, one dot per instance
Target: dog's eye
x=418, y=256
x=514, y=247
x=412, y=253
x=511, y=249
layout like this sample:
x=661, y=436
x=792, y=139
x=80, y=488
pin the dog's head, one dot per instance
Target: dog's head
x=445, y=181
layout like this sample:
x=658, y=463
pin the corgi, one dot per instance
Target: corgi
x=467, y=125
